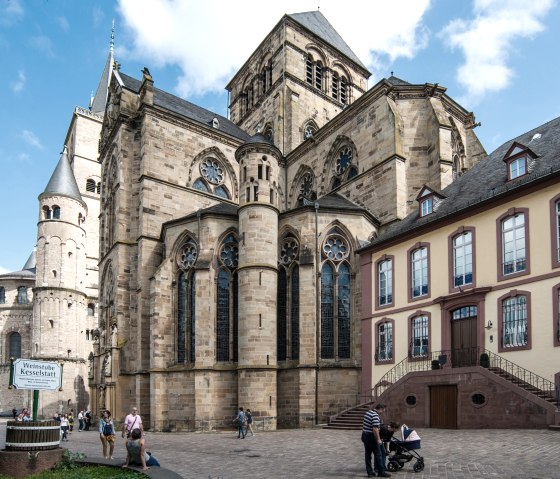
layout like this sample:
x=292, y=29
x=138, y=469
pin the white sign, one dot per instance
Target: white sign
x=40, y=375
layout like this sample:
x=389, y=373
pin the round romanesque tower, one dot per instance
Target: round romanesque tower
x=258, y=277
x=60, y=320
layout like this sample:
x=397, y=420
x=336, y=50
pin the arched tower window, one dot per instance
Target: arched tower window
x=227, y=307
x=22, y=295
x=335, y=298
x=56, y=212
x=186, y=302
x=14, y=346
x=314, y=72
x=47, y=213
x=288, y=301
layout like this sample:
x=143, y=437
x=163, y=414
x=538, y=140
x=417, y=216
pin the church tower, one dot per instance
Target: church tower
x=60, y=318
x=300, y=77
x=258, y=276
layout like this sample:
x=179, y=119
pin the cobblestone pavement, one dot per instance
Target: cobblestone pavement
x=320, y=453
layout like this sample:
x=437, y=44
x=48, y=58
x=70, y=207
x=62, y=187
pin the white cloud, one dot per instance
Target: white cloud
x=63, y=23
x=23, y=157
x=43, y=44
x=19, y=84
x=4, y=270
x=11, y=11
x=210, y=40
x=30, y=138
x=488, y=39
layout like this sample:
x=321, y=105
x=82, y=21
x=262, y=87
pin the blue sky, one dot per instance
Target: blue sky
x=498, y=58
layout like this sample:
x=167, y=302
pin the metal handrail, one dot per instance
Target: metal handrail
x=466, y=357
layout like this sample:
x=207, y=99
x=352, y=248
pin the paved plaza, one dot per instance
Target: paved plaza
x=320, y=453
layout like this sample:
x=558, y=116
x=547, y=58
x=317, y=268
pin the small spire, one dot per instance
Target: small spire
x=112, y=43
x=391, y=72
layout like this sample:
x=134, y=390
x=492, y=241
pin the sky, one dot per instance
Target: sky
x=497, y=58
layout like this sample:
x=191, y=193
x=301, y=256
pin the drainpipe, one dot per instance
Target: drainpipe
x=317, y=314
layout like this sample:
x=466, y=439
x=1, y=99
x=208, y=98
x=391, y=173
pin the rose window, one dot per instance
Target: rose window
x=344, y=160
x=289, y=251
x=212, y=171
x=335, y=248
x=306, y=188
x=229, y=255
x=187, y=255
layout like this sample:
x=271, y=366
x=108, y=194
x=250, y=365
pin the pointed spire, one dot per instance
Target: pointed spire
x=63, y=181
x=100, y=98
x=31, y=262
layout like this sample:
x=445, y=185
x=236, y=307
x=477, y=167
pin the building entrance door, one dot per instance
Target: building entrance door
x=464, y=349
x=443, y=406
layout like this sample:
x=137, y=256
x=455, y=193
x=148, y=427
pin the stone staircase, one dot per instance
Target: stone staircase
x=546, y=395
x=351, y=419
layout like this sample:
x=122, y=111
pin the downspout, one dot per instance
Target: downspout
x=317, y=313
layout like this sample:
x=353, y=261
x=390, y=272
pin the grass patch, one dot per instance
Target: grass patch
x=70, y=469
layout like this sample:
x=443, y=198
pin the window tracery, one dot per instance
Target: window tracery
x=187, y=255
x=335, y=248
x=212, y=171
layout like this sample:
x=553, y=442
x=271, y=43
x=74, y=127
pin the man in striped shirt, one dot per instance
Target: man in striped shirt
x=372, y=442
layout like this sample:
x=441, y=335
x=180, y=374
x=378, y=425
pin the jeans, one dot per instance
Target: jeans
x=371, y=447
x=152, y=461
x=241, y=431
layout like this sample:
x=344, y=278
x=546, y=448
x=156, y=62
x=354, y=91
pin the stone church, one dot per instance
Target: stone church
x=227, y=269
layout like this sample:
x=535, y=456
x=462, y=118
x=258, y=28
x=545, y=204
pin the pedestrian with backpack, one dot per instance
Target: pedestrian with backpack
x=107, y=434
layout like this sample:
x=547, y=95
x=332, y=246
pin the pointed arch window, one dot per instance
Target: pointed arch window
x=186, y=302
x=345, y=167
x=227, y=302
x=14, y=345
x=336, y=285
x=288, y=301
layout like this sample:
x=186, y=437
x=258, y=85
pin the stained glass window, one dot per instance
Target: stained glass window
x=211, y=170
x=223, y=326
x=295, y=312
x=327, y=312
x=281, y=308
x=227, y=309
x=343, y=298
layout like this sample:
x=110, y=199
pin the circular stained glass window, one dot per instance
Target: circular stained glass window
x=212, y=171
x=410, y=400
x=229, y=255
x=306, y=188
x=187, y=255
x=344, y=160
x=335, y=248
x=290, y=251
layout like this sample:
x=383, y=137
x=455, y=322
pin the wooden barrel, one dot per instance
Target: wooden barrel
x=32, y=435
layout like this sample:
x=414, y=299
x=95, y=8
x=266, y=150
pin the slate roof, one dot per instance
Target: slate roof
x=63, y=181
x=100, y=98
x=396, y=80
x=27, y=272
x=317, y=24
x=335, y=201
x=487, y=180
x=221, y=209
x=187, y=109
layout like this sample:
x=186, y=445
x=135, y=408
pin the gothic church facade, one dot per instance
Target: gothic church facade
x=228, y=274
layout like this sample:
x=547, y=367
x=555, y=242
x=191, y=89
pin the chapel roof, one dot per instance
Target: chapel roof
x=187, y=109
x=487, y=180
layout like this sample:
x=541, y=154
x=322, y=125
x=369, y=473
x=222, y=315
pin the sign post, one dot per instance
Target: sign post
x=36, y=375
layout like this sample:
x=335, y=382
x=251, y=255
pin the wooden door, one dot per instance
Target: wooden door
x=463, y=342
x=443, y=406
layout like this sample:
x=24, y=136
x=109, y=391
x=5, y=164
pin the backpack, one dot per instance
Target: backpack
x=107, y=429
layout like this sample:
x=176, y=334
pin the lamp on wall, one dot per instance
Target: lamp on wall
x=489, y=325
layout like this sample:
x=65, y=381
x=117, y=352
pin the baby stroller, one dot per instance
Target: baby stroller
x=404, y=451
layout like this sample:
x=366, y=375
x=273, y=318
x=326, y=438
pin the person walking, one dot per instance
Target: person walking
x=81, y=420
x=240, y=420
x=87, y=420
x=132, y=421
x=64, y=426
x=372, y=442
x=107, y=434
x=249, y=418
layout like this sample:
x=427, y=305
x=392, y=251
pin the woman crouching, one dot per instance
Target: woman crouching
x=136, y=452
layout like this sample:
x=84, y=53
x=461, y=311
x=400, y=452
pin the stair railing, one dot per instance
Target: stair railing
x=466, y=357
